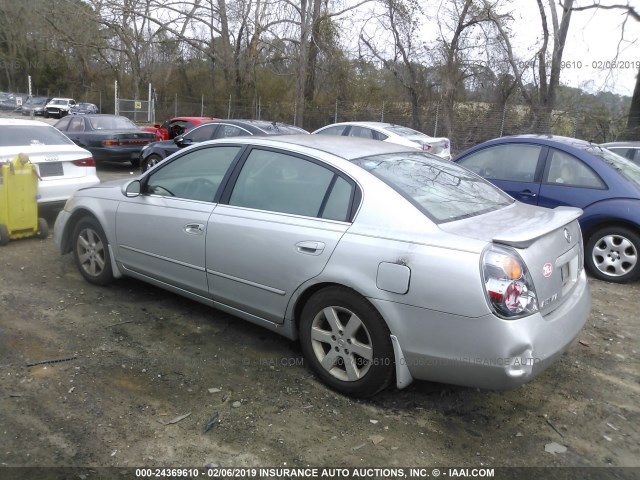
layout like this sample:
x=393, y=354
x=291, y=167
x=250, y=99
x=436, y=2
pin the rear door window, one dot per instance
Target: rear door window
x=565, y=169
x=511, y=162
x=279, y=182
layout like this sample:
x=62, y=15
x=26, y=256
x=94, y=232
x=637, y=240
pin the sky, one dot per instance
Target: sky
x=593, y=40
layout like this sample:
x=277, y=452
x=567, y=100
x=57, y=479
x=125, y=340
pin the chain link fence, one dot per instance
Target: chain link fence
x=473, y=122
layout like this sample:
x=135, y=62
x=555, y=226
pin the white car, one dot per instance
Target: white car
x=62, y=166
x=59, y=107
x=389, y=132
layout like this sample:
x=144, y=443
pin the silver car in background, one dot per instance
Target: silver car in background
x=392, y=133
x=387, y=263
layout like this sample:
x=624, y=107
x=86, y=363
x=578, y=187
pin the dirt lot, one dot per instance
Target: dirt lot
x=142, y=359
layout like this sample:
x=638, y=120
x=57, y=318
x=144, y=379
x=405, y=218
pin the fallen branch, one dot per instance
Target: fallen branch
x=53, y=360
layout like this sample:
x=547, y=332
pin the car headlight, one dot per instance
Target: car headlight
x=508, y=284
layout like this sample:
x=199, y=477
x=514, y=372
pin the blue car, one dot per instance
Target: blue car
x=550, y=171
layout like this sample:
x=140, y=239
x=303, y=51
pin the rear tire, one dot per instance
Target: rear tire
x=346, y=342
x=135, y=163
x=4, y=235
x=43, y=228
x=612, y=254
x=91, y=251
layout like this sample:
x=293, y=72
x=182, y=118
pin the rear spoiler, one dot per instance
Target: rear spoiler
x=561, y=217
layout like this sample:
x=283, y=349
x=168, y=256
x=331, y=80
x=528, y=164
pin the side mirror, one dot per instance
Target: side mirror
x=131, y=189
x=181, y=141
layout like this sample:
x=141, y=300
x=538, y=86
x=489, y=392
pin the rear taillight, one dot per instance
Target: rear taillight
x=508, y=284
x=85, y=162
x=426, y=147
x=111, y=143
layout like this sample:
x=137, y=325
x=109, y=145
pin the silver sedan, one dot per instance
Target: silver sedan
x=387, y=263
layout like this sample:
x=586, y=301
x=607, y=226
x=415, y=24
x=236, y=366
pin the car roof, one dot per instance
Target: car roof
x=256, y=125
x=21, y=122
x=348, y=148
x=96, y=115
x=366, y=124
x=541, y=139
x=192, y=118
x=630, y=144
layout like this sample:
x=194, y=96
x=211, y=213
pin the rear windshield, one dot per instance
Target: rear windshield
x=626, y=167
x=443, y=190
x=112, y=123
x=404, y=131
x=24, y=135
x=281, y=129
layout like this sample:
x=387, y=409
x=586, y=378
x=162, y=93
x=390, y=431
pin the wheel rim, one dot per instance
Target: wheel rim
x=341, y=343
x=152, y=161
x=91, y=252
x=614, y=255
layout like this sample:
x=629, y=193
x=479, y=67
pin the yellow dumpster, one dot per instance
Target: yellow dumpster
x=18, y=202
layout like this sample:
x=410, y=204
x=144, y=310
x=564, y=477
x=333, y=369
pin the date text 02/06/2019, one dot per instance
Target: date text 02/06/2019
x=600, y=64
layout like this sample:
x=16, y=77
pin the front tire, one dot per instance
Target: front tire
x=346, y=342
x=612, y=255
x=91, y=251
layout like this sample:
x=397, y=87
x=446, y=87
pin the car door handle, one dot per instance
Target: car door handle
x=194, y=228
x=528, y=193
x=310, y=247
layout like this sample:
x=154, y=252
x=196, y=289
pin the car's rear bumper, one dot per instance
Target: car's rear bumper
x=485, y=352
x=116, y=154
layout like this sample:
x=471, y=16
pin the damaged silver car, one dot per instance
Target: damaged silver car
x=388, y=264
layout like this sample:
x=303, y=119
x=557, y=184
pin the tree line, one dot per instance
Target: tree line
x=304, y=52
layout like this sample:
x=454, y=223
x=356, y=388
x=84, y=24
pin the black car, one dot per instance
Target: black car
x=84, y=108
x=158, y=151
x=107, y=137
x=35, y=105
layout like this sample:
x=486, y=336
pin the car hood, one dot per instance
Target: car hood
x=518, y=225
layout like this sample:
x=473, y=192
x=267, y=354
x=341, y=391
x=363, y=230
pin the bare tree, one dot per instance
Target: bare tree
x=402, y=20
x=467, y=22
x=632, y=132
x=546, y=66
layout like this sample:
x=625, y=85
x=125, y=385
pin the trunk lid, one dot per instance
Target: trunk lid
x=548, y=241
x=52, y=161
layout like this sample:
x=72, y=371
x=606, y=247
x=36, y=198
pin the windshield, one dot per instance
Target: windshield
x=445, y=191
x=112, y=123
x=23, y=135
x=58, y=102
x=623, y=165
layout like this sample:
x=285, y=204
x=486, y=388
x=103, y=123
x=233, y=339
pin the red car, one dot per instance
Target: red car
x=176, y=126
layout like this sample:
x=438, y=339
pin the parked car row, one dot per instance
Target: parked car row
x=541, y=170
x=155, y=152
